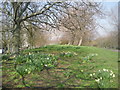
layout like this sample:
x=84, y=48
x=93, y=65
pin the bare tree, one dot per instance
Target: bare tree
x=37, y=14
x=80, y=20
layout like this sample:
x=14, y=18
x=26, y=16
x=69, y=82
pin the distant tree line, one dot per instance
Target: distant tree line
x=111, y=39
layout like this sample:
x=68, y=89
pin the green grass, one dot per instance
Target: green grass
x=75, y=64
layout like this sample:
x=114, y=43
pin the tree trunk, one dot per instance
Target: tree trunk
x=80, y=42
x=69, y=43
x=17, y=38
x=8, y=45
x=73, y=39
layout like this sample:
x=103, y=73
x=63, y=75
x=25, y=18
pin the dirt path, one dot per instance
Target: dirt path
x=114, y=50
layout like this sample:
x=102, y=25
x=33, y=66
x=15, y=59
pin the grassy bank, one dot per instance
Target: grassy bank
x=69, y=66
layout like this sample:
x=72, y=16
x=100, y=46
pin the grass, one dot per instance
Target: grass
x=74, y=66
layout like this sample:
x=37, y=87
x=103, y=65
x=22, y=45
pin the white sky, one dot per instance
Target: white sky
x=106, y=22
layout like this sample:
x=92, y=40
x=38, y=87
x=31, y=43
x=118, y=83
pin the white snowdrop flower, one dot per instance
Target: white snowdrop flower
x=96, y=54
x=113, y=75
x=25, y=69
x=81, y=70
x=29, y=53
x=14, y=56
x=104, y=69
x=93, y=73
x=97, y=80
x=111, y=71
x=47, y=58
x=75, y=53
x=101, y=78
x=28, y=72
x=99, y=70
x=45, y=65
x=90, y=74
x=107, y=70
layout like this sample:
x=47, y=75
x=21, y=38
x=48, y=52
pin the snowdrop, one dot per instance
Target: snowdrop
x=81, y=70
x=47, y=58
x=75, y=53
x=29, y=53
x=101, y=78
x=91, y=75
x=105, y=70
x=45, y=65
x=113, y=75
x=97, y=80
x=111, y=71
x=25, y=69
x=96, y=54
